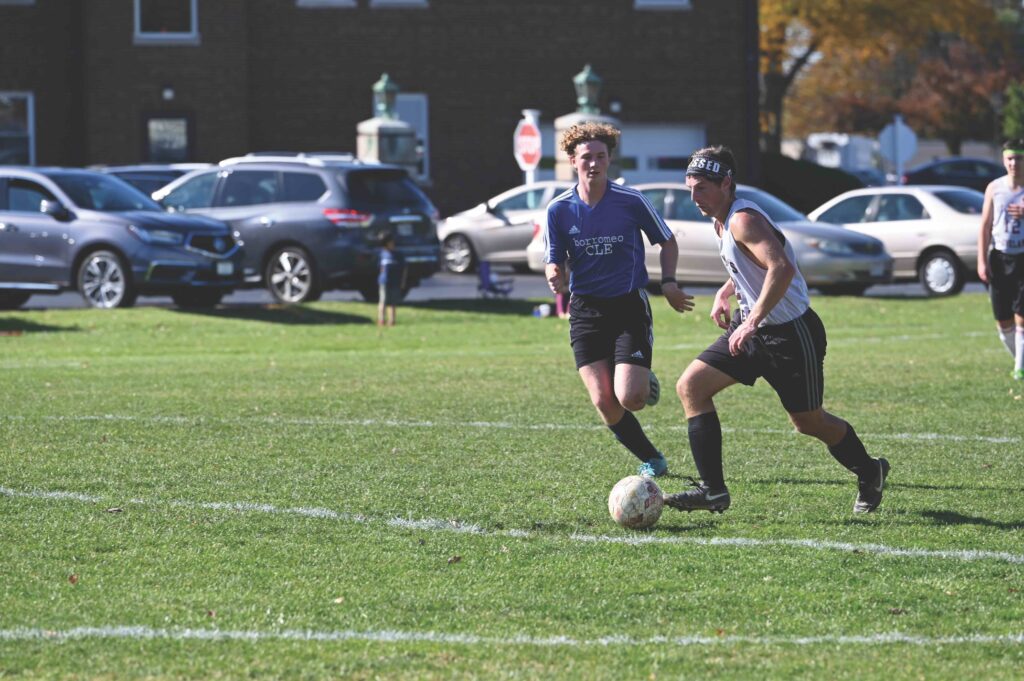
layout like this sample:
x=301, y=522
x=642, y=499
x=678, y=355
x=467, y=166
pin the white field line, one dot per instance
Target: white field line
x=485, y=425
x=392, y=636
x=636, y=539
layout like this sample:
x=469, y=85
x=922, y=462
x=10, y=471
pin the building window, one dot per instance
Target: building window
x=413, y=108
x=663, y=4
x=402, y=4
x=325, y=3
x=168, y=139
x=17, y=128
x=164, y=22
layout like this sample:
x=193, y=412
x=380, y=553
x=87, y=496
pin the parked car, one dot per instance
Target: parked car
x=70, y=229
x=930, y=230
x=975, y=173
x=313, y=223
x=834, y=260
x=498, y=230
x=148, y=177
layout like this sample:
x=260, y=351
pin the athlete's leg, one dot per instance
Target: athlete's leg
x=632, y=385
x=598, y=379
x=696, y=389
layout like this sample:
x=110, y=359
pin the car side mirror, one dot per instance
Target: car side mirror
x=55, y=209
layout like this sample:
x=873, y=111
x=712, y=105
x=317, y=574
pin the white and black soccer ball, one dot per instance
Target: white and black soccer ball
x=636, y=502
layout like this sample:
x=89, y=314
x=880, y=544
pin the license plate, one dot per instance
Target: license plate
x=877, y=271
x=405, y=229
x=225, y=269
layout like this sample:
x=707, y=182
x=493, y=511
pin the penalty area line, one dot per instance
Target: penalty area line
x=394, y=636
x=441, y=525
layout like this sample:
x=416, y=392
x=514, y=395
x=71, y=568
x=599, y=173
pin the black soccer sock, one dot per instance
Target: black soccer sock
x=705, y=431
x=851, y=454
x=629, y=432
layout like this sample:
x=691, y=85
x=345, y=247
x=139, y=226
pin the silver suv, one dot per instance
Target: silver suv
x=311, y=223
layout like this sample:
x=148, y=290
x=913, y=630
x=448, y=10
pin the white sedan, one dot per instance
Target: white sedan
x=930, y=230
x=833, y=260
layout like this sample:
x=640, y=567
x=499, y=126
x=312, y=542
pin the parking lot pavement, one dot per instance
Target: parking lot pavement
x=444, y=286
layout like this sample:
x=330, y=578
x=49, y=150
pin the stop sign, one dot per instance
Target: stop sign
x=526, y=145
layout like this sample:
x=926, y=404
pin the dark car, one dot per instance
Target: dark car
x=314, y=223
x=63, y=228
x=149, y=177
x=975, y=173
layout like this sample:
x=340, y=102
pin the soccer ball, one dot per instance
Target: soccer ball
x=636, y=502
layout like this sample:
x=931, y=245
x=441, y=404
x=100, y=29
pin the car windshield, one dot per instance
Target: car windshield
x=777, y=209
x=94, y=191
x=384, y=187
x=962, y=200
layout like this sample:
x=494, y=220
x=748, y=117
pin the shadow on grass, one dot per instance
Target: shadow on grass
x=277, y=314
x=477, y=305
x=954, y=518
x=18, y=327
x=846, y=481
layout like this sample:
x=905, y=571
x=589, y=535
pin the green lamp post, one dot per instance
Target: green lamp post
x=588, y=87
x=385, y=91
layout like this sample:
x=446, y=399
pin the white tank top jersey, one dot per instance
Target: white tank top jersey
x=748, y=277
x=1007, y=232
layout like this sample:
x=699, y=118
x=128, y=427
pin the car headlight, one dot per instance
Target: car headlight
x=157, y=236
x=831, y=246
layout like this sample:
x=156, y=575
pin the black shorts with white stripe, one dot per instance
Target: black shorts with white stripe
x=789, y=356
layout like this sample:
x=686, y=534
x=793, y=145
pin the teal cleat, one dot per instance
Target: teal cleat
x=653, y=468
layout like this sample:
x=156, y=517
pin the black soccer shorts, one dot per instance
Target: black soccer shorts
x=789, y=356
x=619, y=328
x=1006, y=284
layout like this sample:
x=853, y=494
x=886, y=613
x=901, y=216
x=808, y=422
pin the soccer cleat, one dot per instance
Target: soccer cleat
x=653, y=468
x=1016, y=374
x=655, y=394
x=870, y=494
x=700, y=498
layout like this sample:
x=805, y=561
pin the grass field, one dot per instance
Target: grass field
x=291, y=493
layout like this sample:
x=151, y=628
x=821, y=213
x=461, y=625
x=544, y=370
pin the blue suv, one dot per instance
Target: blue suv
x=70, y=229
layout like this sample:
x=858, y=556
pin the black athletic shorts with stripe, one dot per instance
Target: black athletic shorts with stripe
x=1006, y=284
x=789, y=356
x=619, y=328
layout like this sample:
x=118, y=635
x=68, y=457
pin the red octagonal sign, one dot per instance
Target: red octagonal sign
x=526, y=145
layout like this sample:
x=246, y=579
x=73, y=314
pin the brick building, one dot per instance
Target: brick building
x=124, y=81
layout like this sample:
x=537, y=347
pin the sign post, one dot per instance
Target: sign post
x=526, y=144
x=897, y=143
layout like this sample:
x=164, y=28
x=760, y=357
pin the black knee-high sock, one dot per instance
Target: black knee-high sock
x=851, y=454
x=629, y=432
x=705, y=431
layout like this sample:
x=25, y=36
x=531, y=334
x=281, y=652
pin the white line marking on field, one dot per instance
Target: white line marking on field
x=439, y=525
x=393, y=636
x=495, y=425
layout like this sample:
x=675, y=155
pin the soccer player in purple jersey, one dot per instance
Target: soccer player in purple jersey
x=774, y=335
x=598, y=226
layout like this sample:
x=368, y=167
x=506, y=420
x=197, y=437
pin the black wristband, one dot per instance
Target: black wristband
x=668, y=280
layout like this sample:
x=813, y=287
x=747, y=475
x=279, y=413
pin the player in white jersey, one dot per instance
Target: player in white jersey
x=1001, y=252
x=774, y=334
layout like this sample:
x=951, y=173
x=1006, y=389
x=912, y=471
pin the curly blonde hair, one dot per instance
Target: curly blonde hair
x=589, y=132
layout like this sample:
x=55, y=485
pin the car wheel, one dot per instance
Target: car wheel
x=457, y=254
x=200, y=298
x=290, y=275
x=12, y=300
x=940, y=274
x=843, y=290
x=105, y=282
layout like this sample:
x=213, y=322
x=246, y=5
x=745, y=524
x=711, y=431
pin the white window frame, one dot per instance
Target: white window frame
x=183, y=38
x=328, y=4
x=17, y=2
x=30, y=112
x=676, y=5
x=399, y=4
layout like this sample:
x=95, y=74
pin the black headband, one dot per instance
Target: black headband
x=708, y=167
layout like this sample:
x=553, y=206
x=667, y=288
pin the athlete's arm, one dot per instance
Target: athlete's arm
x=680, y=300
x=985, y=234
x=720, y=313
x=759, y=241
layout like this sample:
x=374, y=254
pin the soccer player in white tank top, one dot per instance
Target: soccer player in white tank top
x=775, y=336
x=1001, y=252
